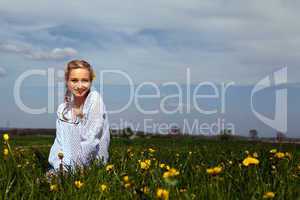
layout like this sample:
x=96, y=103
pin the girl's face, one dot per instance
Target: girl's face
x=79, y=82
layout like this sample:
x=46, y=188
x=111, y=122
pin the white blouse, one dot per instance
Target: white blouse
x=82, y=139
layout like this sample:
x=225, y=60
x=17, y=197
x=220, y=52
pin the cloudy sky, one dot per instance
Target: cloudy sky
x=218, y=40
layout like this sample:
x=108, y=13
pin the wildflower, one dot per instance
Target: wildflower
x=247, y=152
x=190, y=153
x=103, y=187
x=162, y=165
x=78, y=184
x=214, y=170
x=167, y=167
x=53, y=188
x=171, y=173
x=148, y=162
x=273, y=151
x=269, y=195
x=5, y=152
x=162, y=194
x=5, y=137
x=60, y=155
x=250, y=161
x=279, y=155
x=151, y=150
x=145, y=164
x=109, y=167
x=126, y=179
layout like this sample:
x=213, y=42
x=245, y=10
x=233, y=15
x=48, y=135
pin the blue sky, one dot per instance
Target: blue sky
x=220, y=41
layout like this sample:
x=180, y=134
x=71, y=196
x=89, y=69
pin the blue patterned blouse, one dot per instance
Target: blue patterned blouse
x=82, y=139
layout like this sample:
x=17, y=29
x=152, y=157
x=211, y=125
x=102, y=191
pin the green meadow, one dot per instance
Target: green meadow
x=155, y=168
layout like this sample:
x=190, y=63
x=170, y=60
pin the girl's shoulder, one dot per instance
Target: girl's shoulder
x=94, y=99
x=94, y=96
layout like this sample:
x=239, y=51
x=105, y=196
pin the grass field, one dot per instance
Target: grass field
x=156, y=168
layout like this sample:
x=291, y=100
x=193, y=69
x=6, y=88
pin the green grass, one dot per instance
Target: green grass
x=23, y=174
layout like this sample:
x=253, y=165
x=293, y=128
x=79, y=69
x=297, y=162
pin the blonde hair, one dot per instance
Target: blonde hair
x=75, y=64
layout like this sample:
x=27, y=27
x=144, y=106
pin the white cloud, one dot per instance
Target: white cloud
x=14, y=48
x=27, y=51
x=55, y=54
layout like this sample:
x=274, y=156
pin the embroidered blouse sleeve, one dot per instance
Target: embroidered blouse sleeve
x=56, y=147
x=92, y=128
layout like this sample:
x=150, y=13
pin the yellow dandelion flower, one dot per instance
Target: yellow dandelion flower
x=148, y=162
x=162, y=165
x=5, y=152
x=279, y=155
x=60, y=155
x=151, y=150
x=250, y=161
x=269, y=195
x=167, y=167
x=171, y=173
x=145, y=164
x=78, y=184
x=162, y=194
x=126, y=179
x=5, y=137
x=214, y=170
x=109, y=167
x=53, y=187
x=166, y=174
x=103, y=187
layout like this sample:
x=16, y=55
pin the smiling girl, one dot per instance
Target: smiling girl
x=82, y=130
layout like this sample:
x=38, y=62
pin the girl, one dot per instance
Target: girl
x=82, y=130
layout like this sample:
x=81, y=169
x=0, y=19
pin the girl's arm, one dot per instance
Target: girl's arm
x=92, y=128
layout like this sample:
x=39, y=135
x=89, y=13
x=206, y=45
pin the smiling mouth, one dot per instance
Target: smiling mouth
x=80, y=91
